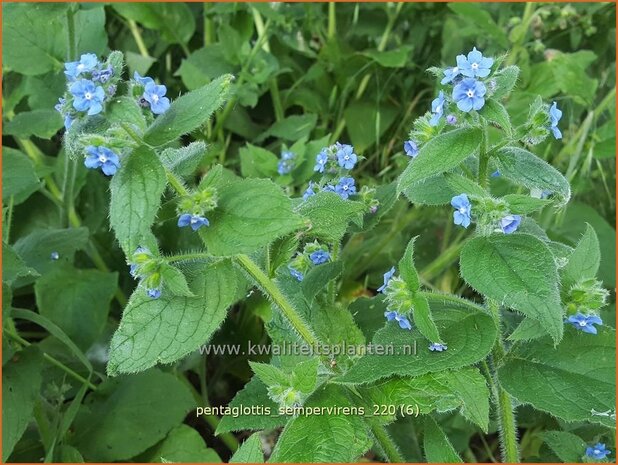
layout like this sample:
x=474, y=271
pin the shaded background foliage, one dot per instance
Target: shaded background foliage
x=306, y=75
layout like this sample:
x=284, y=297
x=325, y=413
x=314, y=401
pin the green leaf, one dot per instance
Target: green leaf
x=105, y=431
x=203, y=65
x=524, y=204
x=495, y=113
x=184, y=160
x=506, y=79
x=32, y=44
x=13, y=266
x=136, y=191
x=165, y=329
x=175, y=282
x=304, y=438
x=581, y=372
x=438, y=449
x=250, y=451
x=251, y=214
x=183, y=444
x=519, y=271
x=528, y=170
x=270, y=375
x=77, y=301
x=407, y=270
x=188, y=112
x=40, y=123
x=21, y=383
x=305, y=375
x=366, y=121
x=174, y=21
x=256, y=162
x=125, y=110
x=466, y=328
x=318, y=277
x=462, y=185
x=423, y=320
x=567, y=446
x=19, y=178
x=291, y=128
x=527, y=330
x=329, y=215
x=397, y=58
x=584, y=261
x=440, y=154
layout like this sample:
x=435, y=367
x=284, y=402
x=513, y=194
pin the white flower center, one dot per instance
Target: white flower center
x=155, y=98
x=475, y=66
x=102, y=158
x=88, y=96
x=346, y=157
x=470, y=93
x=583, y=323
x=80, y=67
x=345, y=187
x=463, y=210
x=455, y=70
x=194, y=220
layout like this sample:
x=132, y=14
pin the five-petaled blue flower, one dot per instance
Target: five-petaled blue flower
x=346, y=156
x=102, y=157
x=403, y=321
x=437, y=108
x=153, y=293
x=469, y=94
x=155, y=95
x=450, y=74
x=585, y=323
x=411, y=148
x=295, y=273
x=195, y=221
x=554, y=117
x=598, y=451
x=319, y=256
x=463, y=209
x=309, y=192
x=475, y=65
x=87, y=63
x=437, y=347
x=143, y=80
x=387, y=277
x=320, y=161
x=510, y=223
x=346, y=187
x=87, y=96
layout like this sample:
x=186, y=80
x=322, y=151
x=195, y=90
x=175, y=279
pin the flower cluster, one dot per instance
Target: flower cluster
x=90, y=83
x=102, y=157
x=150, y=94
x=313, y=254
x=145, y=267
x=192, y=208
x=462, y=216
x=286, y=163
x=334, y=163
x=583, y=301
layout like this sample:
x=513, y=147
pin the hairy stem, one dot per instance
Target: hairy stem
x=332, y=285
x=268, y=287
x=383, y=439
x=483, y=159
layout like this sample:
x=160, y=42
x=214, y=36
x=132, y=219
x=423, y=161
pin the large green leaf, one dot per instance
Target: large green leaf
x=439, y=155
x=250, y=451
x=189, y=112
x=183, y=445
x=136, y=191
x=438, y=449
x=519, y=271
x=569, y=381
x=584, y=261
x=163, y=330
x=174, y=21
x=13, y=266
x=106, y=430
x=567, y=446
x=21, y=382
x=19, y=179
x=329, y=437
x=251, y=213
x=467, y=330
x=42, y=123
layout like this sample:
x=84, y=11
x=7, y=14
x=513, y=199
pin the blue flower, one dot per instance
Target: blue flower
x=346, y=187
x=68, y=121
x=554, y=116
x=410, y=148
x=195, y=221
x=102, y=157
x=54, y=256
x=469, y=94
x=475, y=65
x=133, y=270
x=87, y=96
x=346, y=156
x=510, y=223
x=295, y=273
x=495, y=174
x=155, y=95
x=437, y=108
x=585, y=323
x=451, y=119
x=284, y=167
x=450, y=74
x=390, y=315
x=87, y=63
x=437, y=347
x=403, y=321
x=320, y=161
x=463, y=209
x=153, y=293
x=319, y=256
x=328, y=188
x=387, y=277
x=598, y=451
x=102, y=75
x=143, y=80
x=309, y=192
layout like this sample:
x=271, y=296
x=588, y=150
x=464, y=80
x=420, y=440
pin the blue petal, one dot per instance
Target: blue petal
x=184, y=220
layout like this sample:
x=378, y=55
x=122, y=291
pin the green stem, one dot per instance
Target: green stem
x=332, y=20
x=176, y=183
x=483, y=160
x=17, y=338
x=132, y=134
x=385, y=441
x=137, y=36
x=272, y=291
x=332, y=285
x=72, y=48
x=444, y=260
x=9, y=220
x=186, y=257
